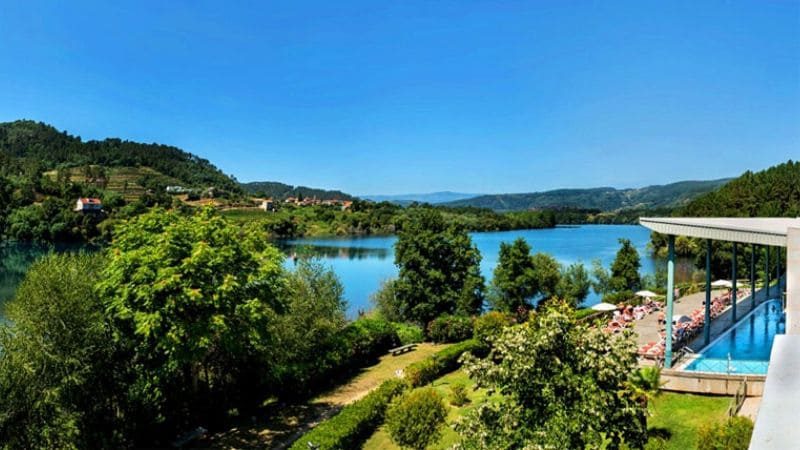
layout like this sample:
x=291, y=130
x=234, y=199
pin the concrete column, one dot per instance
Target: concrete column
x=793, y=281
x=670, y=300
x=766, y=273
x=707, y=321
x=752, y=276
x=733, y=281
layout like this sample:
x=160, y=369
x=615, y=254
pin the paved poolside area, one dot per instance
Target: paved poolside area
x=647, y=329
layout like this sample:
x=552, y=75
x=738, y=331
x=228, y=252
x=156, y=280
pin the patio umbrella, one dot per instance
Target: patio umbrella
x=722, y=283
x=604, y=307
x=646, y=294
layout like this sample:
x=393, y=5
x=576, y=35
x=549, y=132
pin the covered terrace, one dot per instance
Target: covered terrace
x=775, y=424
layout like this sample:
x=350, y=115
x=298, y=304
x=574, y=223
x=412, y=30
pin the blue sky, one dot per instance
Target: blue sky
x=417, y=96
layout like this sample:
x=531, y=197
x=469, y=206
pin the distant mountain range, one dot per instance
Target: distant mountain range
x=282, y=191
x=602, y=198
x=432, y=198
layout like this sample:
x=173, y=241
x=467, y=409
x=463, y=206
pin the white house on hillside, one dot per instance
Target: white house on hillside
x=88, y=204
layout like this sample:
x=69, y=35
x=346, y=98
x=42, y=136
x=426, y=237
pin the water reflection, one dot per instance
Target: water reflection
x=294, y=250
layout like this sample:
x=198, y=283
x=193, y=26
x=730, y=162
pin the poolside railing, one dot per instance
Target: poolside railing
x=738, y=399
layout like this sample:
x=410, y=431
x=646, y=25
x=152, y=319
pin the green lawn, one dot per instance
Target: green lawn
x=380, y=440
x=678, y=417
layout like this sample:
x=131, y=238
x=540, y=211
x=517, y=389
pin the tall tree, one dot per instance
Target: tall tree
x=439, y=268
x=56, y=360
x=625, y=268
x=574, y=284
x=194, y=305
x=520, y=277
x=514, y=283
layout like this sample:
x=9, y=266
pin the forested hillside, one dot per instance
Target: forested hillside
x=27, y=145
x=283, y=191
x=774, y=192
x=43, y=171
x=603, y=198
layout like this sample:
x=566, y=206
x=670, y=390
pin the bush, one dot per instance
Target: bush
x=408, y=333
x=415, y=419
x=732, y=434
x=369, y=338
x=490, y=325
x=354, y=423
x=626, y=297
x=355, y=346
x=440, y=363
x=458, y=395
x=448, y=328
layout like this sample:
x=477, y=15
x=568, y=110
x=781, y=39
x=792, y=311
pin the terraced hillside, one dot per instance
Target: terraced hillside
x=129, y=181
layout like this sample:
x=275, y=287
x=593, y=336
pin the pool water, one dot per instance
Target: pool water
x=745, y=348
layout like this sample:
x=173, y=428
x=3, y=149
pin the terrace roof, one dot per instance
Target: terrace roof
x=750, y=230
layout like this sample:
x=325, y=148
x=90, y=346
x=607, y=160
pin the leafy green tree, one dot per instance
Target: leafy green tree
x=193, y=302
x=314, y=311
x=416, y=418
x=520, y=277
x=548, y=274
x=625, y=268
x=515, y=282
x=386, y=302
x=439, y=268
x=574, y=284
x=57, y=359
x=556, y=391
x=601, y=278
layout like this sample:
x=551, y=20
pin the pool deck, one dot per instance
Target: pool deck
x=647, y=329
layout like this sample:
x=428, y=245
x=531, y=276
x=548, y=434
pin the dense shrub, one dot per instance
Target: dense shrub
x=408, y=333
x=355, y=346
x=490, y=324
x=732, y=434
x=354, y=423
x=450, y=328
x=440, y=363
x=369, y=338
x=614, y=298
x=415, y=419
x=458, y=394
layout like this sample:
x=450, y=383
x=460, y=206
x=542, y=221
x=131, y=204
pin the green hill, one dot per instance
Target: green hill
x=27, y=146
x=282, y=191
x=603, y=198
x=774, y=192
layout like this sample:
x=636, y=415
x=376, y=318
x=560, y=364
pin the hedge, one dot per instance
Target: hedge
x=357, y=421
x=357, y=345
x=450, y=328
x=354, y=423
x=441, y=362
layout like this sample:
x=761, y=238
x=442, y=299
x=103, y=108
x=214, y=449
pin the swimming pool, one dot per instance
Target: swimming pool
x=745, y=348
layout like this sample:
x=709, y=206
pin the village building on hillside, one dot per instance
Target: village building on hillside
x=88, y=204
x=177, y=190
x=268, y=205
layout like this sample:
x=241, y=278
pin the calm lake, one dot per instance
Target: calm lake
x=363, y=263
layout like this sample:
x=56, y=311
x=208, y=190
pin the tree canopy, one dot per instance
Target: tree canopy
x=557, y=390
x=439, y=268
